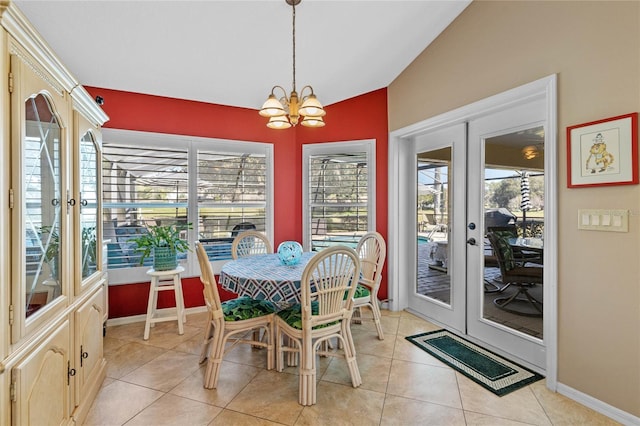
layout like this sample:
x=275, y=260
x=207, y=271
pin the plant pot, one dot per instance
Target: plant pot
x=164, y=259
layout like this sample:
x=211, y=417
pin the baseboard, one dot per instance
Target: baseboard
x=599, y=406
x=143, y=317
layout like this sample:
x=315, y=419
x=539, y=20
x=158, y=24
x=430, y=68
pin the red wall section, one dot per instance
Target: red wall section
x=131, y=299
x=362, y=117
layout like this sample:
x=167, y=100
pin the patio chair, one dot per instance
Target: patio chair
x=522, y=277
x=249, y=243
x=232, y=321
x=323, y=314
x=372, y=251
x=242, y=226
x=521, y=255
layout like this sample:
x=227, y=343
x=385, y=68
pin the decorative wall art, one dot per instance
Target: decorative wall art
x=603, y=152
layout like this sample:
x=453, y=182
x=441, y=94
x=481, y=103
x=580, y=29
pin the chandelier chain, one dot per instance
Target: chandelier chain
x=294, y=45
x=287, y=111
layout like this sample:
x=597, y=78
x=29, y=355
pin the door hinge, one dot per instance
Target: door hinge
x=10, y=198
x=70, y=372
x=12, y=391
x=10, y=82
x=10, y=314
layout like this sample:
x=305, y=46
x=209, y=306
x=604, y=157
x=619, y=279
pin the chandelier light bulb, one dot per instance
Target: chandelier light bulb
x=313, y=121
x=311, y=106
x=278, y=122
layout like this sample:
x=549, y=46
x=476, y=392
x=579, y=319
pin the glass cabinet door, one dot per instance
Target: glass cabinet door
x=40, y=212
x=88, y=199
x=42, y=191
x=87, y=194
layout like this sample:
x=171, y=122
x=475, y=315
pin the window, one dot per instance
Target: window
x=232, y=197
x=219, y=186
x=339, y=191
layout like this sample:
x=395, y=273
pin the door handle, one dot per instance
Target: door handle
x=471, y=241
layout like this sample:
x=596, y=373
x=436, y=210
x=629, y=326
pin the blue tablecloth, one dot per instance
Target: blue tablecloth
x=264, y=277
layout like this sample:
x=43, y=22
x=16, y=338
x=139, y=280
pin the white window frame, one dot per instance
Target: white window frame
x=329, y=148
x=192, y=144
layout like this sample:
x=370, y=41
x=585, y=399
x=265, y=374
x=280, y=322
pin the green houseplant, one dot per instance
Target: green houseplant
x=164, y=242
x=89, y=250
x=51, y=239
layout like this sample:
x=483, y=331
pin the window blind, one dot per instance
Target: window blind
x=338, y=198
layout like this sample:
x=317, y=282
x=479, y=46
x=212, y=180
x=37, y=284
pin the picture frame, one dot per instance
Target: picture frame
x=603, y=152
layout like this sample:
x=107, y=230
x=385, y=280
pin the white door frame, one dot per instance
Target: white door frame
x=402, y=210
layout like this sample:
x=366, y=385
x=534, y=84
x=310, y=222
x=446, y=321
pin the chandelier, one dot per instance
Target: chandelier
x=530, y=152
x=287, y=111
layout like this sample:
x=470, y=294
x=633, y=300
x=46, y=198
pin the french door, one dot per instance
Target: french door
x=497, y=144
x=440, y=179
x=464, y=175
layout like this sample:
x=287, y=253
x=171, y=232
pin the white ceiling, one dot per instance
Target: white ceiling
x=233, y=52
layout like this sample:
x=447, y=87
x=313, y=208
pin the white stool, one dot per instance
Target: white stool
x=161, y=281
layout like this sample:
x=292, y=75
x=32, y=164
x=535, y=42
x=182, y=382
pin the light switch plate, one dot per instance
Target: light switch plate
x=603, y=220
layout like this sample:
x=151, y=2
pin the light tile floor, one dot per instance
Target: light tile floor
x=159, y=382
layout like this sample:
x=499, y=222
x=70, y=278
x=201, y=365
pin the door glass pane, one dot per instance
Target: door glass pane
x=433, y=213
x=514, y=227
x=42, y=195
x=88, y=203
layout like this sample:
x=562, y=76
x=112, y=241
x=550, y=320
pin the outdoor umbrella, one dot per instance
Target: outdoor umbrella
x=525, y=201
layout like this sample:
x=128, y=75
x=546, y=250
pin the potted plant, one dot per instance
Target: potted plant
x=52, y=248
x=164, y=242
x=89, y=250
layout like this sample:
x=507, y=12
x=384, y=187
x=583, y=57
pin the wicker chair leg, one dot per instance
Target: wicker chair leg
x=279, y=355
x=375, y=309
x=215, y=361
x=350, y=356
x=268, y=334
x=307, y=380
x=212, y=373
x=206, y=343
x=356, y=318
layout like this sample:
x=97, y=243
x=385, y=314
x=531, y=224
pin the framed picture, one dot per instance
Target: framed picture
x=603, y=152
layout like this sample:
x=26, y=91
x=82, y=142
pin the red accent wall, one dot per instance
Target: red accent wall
x=362, y=117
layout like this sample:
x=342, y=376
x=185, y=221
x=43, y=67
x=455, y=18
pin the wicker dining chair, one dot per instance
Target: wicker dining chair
x=230, y=321
x=251, y=242
x=323, y=314
x=372, y=251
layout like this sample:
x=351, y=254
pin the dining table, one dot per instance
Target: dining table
x=263, y=276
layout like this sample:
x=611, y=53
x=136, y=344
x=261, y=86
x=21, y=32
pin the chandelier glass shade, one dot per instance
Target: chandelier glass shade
x=287, y=111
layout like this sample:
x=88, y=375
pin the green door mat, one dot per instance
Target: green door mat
x=489, y=370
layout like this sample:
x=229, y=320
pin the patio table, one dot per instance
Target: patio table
x=528, y=243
